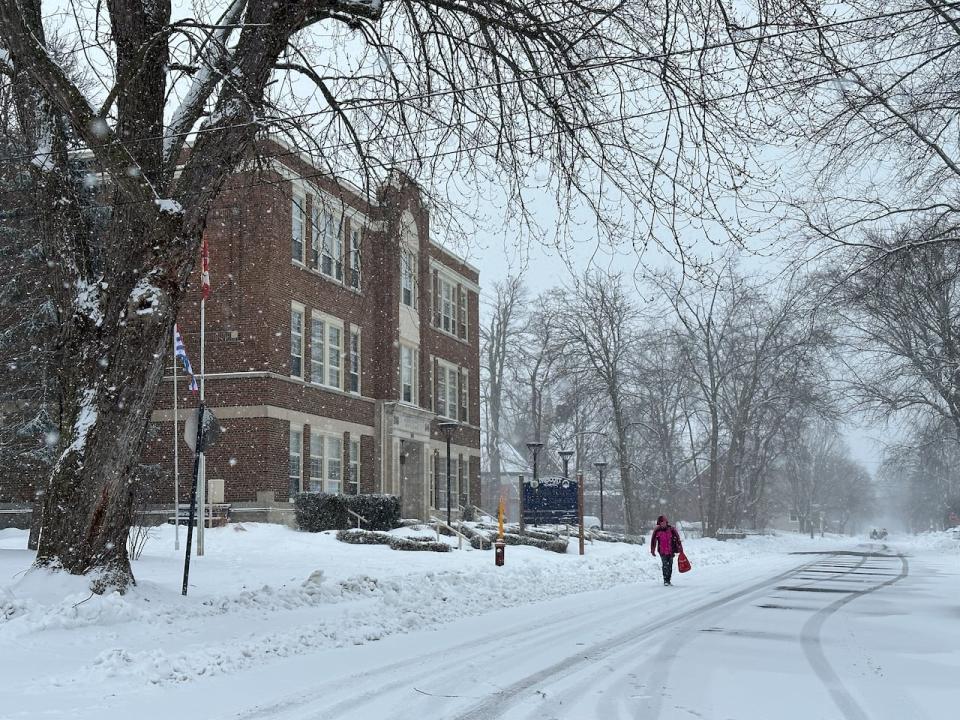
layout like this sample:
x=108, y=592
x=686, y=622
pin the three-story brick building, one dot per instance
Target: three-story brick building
x=338, y=335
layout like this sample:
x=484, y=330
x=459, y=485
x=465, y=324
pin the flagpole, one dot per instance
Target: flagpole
x=203, y=460
x=176, y=451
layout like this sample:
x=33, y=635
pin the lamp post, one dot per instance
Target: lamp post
x=403, y=465
x=565, y=455
x=448, y=427
x=600, y=465
x=535, y=448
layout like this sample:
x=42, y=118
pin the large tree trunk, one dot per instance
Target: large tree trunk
x=109, y=392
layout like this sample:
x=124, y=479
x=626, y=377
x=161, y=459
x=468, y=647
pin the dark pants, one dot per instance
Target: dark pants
x=667, y=562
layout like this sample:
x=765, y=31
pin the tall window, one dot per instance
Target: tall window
x=332, y=252
x=326, y=348
x=318, y=351
x=355, y=361
x=315, y=237
x=441, y=483
x=447, y=399
x=354, y=479
x=296, y=342
x=448, y=306
x=296, y=247
x=408, y=374
x=464, y=398
x=334, y=348
x=408, y=278
x=355, y=263
x=334, y=460
x=326, y=461
x=295, y=470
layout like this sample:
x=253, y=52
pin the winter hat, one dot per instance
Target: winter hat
x=661, y=519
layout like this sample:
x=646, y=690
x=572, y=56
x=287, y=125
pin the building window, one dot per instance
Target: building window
x=296, y=247
x=296, y=341
x=408, y=374
x=295, y=470
x=318, y=351
x=334, y=461
x=448, y=307
x=441, y=483
x=326, y=346
x=355, y=263
x=353, y=480
x=315, y=237
x=462, y=297
x=355, y=361
x=408, y=278
x=334, y=348
x=325, y=463
x=464, y=398
x=332, y=252
x=447, y=392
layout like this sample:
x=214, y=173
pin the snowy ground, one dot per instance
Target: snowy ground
x=288, y=625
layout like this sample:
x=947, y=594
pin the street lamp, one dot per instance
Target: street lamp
x=600, y=465
x=565, y=455
x=403, y=463
x=535, y=448
x=448, y=427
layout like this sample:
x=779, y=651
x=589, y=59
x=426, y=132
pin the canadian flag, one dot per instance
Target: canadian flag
x=205, y=269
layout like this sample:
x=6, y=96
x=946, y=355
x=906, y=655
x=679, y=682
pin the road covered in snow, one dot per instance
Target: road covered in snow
x=290, y=626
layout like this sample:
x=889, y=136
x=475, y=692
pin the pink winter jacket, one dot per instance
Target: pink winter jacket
x=665, y=540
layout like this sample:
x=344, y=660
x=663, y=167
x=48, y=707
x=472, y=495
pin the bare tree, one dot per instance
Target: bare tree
x=872, y=102
x=499, y=339
x=902, y=316
x=496, y=88
x=599, y=326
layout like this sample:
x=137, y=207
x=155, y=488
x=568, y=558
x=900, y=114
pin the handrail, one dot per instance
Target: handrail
x=461, y=537
x=358, y=516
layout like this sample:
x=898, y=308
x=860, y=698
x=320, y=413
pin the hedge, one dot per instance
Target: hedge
x=316, y=512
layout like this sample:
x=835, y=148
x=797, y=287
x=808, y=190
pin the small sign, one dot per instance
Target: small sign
x=211, y=429
x=550, y=501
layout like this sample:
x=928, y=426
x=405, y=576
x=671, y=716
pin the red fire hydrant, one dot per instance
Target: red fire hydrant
x=498, y=551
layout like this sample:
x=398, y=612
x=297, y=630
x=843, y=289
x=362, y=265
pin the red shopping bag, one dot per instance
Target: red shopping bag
x=683, y=565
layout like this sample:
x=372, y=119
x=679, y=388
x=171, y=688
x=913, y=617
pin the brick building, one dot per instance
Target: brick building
x=337, y=337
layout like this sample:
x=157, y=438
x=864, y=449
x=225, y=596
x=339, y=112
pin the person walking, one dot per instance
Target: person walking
x=666, y=540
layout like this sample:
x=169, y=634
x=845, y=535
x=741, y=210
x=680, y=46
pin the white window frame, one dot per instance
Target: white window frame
x=298, y=211
x=408, y=276
x=315, y=240
x=296, y=441
x=353, y=483
x=353, y=361
x=411, y=353
x=448, y=305
x=297, y=334
x=318, y=355
x=326, y=458
x=331, y=247
x=446, y=372
x=331, y=356
x=356, y=262
x=440, y=479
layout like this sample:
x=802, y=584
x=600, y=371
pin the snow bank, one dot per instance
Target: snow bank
x=265, y=591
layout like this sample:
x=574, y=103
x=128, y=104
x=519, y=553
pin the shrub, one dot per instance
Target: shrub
x=316, y=512
x=366, y=537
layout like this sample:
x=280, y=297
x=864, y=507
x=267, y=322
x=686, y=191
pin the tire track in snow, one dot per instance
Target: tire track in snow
x=813, y=647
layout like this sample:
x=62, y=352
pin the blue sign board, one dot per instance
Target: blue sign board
x=550, y=501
